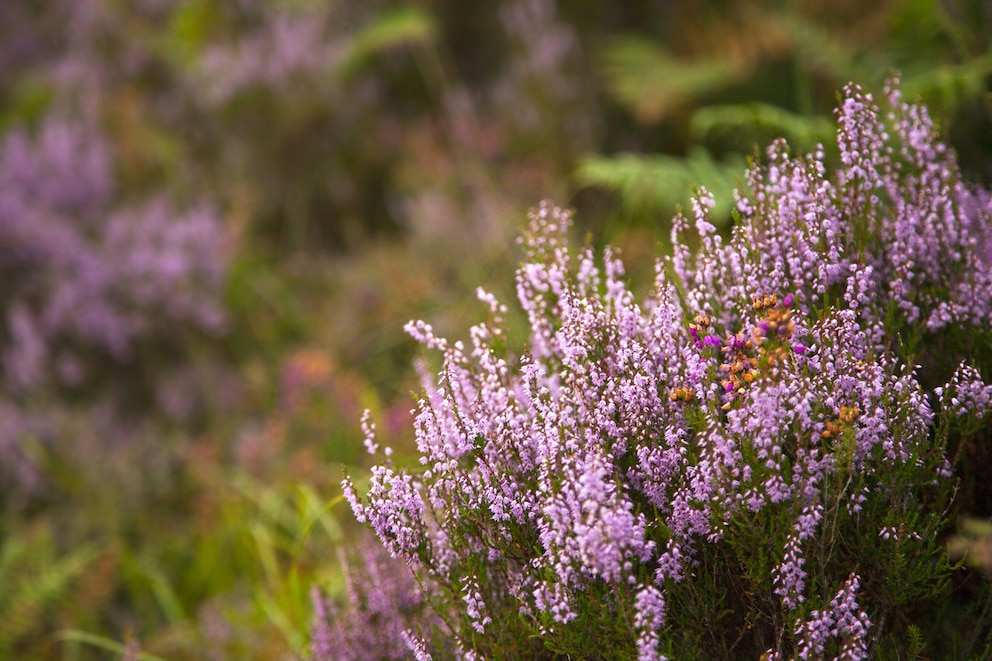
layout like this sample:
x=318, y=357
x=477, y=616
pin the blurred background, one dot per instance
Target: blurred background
x=217, y=215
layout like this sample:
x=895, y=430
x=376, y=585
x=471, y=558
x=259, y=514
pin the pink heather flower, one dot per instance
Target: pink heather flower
x=851, y=624
x=416, y=645
x=368, y=428
x=397, y=516
x=790, y=576
x=631, y=440
x=381, y=601
x=966, y=393
x=475, y=607
x=90, y=285
x=650, y=614
x=843, y=621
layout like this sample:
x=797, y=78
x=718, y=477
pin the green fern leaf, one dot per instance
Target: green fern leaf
x=759, y=123
x=820, y=50
x=659, y=183
x=401, y=27
x=651, y=82
x=945, y=88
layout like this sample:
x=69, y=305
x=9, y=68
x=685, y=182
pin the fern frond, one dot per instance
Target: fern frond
x=661, y=183
x=759, y=123
x=820, y=50
x=393, y=29
x=945, y=88
x=651, y=82
x=748, y=36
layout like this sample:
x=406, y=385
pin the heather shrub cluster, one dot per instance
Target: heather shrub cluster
x=215, y=216
x=97, y=293
x=85, y=278
x=757, y=459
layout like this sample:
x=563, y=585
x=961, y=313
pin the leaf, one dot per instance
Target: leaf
x=166, y=597
x=25, y=104
x=102, y=643
x=33, y=581
x=660, y=183
x=821, y=51
x=802, y=131
x=652, y=83
x=921, y=31
x=947, y=87
x=977, y=527
x=315, y=511
x=189, y=31
x=917, y=644
x=402, y=27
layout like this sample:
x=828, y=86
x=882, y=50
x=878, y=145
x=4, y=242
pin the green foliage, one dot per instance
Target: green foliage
x=29, y=103
x=718, y=122
x=352, y=194
x=819, y=48
x=408, y=26
x=270, y=317
x=276, y=530
x=648, y=79
x=773, y=73
x=106, y=644
x=974, y=543
x=916, y=642
x=250, y=563
x=950, y=87
x=657, y=184
x=35, y=581
x=189, y=30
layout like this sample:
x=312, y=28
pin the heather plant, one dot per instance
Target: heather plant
x=757, y=460
x=85, y=278
x=100, y=300
x=542, y=77
x=301, y=114
x=310, y=124
x=382, y=604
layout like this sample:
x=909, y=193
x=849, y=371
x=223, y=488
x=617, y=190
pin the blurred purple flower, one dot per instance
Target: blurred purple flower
x=90, y=287
x=81, y=275
x=382, y=604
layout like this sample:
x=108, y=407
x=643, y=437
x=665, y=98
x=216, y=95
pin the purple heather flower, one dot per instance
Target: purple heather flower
x=85, y=274
x=381, y=602
x=966, y=393
x=89, y=285
x=843, y=620
x=475, y=607
x=417, y=646
x=649, y=617
x=288, y=46
x=543, y=75
x=615, y=450
x=368, y=428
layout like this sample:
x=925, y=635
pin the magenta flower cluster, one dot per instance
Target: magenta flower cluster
x=757, y=423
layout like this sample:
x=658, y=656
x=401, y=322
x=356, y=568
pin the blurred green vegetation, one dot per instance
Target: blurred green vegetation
x=373, y=162
x=727, y=81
